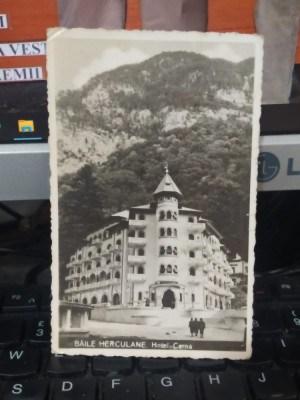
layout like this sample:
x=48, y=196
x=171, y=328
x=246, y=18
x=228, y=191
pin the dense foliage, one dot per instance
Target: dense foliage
x=208, y=159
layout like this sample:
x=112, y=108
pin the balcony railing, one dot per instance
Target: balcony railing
x=137, y=223
x=73, y=276
x=116, y=248
x=97, y=241
x=196, y=227
x=136, y=277
x=115, y=264
x=136, y=241
x=136, y=259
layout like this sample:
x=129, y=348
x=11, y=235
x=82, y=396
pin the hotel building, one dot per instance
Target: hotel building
x=159, y=255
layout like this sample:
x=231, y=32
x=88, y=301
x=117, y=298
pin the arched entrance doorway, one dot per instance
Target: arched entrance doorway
x=168, y=300
x=116, y=299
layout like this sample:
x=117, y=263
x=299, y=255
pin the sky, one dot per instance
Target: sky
x=78, y=59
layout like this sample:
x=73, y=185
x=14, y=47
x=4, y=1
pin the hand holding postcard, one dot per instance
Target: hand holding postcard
x=153, y=146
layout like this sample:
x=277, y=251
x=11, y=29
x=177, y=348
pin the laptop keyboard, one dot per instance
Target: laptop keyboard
x=29, y=371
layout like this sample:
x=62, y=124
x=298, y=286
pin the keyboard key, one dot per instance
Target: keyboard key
x=25, y=390
x=10, y=333
x=287, y=290
x=262, y=356
x=273, y=385
x=172, y=386
x=19, y=363
x=64, y=366
x=220, y=385
x=205, y=364
x=75, y=389
x=20, y=300
x=288, y=351
x=158, y=364
x=261, y=291
x=292, y=320
x=120, y=387
x=266, y=323
x=103, y=365
x=39, y=333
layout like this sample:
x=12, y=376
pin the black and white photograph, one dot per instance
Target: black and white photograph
x=153, y=154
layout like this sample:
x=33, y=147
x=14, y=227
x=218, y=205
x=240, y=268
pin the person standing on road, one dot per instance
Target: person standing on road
x=201, y=327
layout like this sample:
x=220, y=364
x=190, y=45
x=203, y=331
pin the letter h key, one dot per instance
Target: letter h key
x=220, y=385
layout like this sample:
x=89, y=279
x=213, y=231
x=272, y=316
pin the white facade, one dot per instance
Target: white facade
x=157, y=255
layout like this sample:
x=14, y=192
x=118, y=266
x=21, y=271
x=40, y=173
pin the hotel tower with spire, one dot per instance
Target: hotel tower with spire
x=158, y=255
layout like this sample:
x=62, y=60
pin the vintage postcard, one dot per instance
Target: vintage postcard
x=153, y=146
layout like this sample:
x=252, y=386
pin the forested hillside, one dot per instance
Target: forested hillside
x=123, y=125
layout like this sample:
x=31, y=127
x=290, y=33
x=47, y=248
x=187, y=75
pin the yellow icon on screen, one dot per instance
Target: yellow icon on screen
x=25, y=126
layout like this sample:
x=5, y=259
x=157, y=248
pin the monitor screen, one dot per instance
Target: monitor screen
x=23, y=112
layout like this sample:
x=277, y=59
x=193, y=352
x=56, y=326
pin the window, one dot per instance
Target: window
x=141, y=217
x=215, y=280
x=191, y=236
x=175, y=251
x=104, y=299
x=174, y=215
x=99, y=250
x=102, y=276
x=140, y=270
x=87, y=280
x=78, y=270
x=108, y=276
x=118, y=242
x=169, y=269
x=169, y=232
x=162, y=269
x=116, y=299
x=141, y=234
x=162, y=215
x=193, y=298
x=118, y=258
x=169, y=250
x=117, y=275
x=191, y=219
x=79, y=257
x=161, y=251
x=140, y=296
x=192, y=271
x=175, y=232
x=152, y=296
x=89, y=267
x=169, y=215
x=131, y=233
x=175, y=270
x=90, y=254
x=108, y=261
x=98, y=265
x=192, y=254
x=141, y=252
x=180, y=296
x=109, y=246
x=162, y=231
